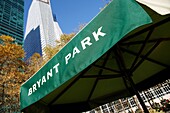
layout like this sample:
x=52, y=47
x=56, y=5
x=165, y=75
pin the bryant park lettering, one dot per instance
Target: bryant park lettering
x=53, y=71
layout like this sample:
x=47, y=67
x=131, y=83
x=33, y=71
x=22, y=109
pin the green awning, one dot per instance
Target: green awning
x=85, y=70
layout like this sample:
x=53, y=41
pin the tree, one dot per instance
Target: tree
x=12, y=75
x=51, y=51
x=36, y=61
x=33, y=64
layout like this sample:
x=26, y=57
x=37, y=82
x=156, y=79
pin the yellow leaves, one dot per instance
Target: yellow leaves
x=36, y=55
x=51, y=51
x=35, y=62
x=12, y=69
x=7, y=39
x=9, y=50
x=66, y=37
x=35, y=59
x=10, y=85
x=33, y=65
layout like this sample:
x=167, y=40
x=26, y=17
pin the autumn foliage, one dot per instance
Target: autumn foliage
x=12, y=75
x=51, y=51
x=14, y=71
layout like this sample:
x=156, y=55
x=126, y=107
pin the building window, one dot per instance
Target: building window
x=166, y=87
x=132, y=102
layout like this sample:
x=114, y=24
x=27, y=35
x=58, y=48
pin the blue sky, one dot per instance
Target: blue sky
x=72, y=13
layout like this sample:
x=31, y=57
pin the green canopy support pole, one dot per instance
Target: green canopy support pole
x=129, y=80
x=137, y=94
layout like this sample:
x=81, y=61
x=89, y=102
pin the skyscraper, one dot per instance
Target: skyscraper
x=42, y=29
x=12, y=19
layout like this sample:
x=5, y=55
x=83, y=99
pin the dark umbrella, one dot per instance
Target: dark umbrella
x=138, y=61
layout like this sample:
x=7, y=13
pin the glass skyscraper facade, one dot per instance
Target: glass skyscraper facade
x=42, y=29
x=12, y=19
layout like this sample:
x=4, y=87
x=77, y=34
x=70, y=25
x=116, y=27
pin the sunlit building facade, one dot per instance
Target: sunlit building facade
x=42, y=29
x=131, y=104
x=12, y=19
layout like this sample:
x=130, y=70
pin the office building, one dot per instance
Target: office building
x=12, y=19
x=156, y=94
x=42, y=29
